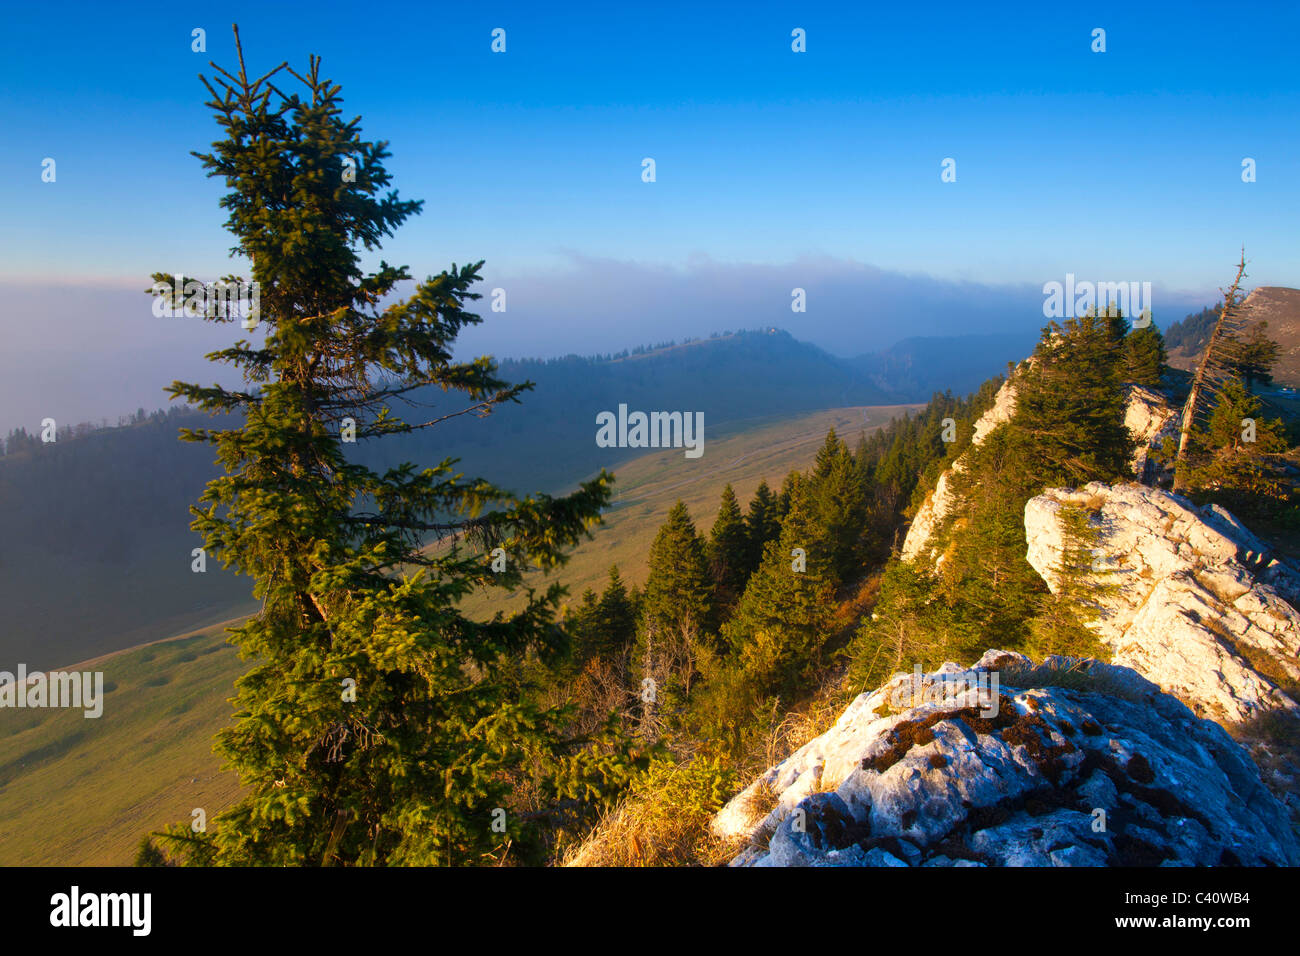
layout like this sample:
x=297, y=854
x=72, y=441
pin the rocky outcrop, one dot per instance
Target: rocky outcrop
x=1150, y=419
x=1148, y=416
x=1188, y=597
x=1067, y=764
x=940, y=501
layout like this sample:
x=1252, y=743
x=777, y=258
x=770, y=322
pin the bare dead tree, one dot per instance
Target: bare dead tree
x=1211, y=371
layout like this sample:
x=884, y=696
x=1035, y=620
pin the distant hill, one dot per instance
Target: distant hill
x=1276, y=305
x=82, y=792
x=94, y=530
x=917, y=367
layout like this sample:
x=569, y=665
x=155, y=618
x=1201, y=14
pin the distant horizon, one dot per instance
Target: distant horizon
x=103, y=418
x=914, y=170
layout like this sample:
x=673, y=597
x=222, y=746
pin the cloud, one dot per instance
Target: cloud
x=595, y=305
x=86, y=351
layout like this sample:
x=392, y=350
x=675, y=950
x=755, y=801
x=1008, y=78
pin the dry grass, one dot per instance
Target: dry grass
x=1072, y=674
x=1273, y=739
x=662, y=822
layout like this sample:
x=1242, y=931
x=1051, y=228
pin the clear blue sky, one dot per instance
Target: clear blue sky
x=762, y=154
x=1124, y=165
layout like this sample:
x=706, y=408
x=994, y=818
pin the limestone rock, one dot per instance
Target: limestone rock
x=1148, y=416
x=1197, y=603
x=1082, y=764
x=1151, y=419
x=940, y=501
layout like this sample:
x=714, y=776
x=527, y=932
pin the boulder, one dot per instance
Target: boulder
x=1190, y=599
x=1071, y=763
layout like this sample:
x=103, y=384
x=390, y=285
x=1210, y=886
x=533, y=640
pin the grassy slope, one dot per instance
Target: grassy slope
x=83, y=791
x=75, y=791
x=646, y=488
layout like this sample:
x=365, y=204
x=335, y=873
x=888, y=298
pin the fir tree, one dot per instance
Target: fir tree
x=783, y=618
x=618, y=614
x=837, y=501
x=679, y=590
x=1070, y=405
x=1060, y=626
x=762, y=524
x=1144, y=357
x=374, y=726
x=727, y=552
x=789, y=490
x=1252, y=355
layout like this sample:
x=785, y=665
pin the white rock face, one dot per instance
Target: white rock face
x=1110, y=772
x=1151, y=419
x=940, y=501
x=1148, y=416
x=1198, y=605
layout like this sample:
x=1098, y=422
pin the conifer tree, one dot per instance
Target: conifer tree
x=617, y=613
x=783, y=617
x=1144, y=357
x=1252, y=355
x=762, y=524
x=1215, y=365
x=1060, y=626
x=837, y=501
x=679, y=589
x=789, y=489
x=583, y=625
x=374, y=726
x=1070, y=405
x=727, y=552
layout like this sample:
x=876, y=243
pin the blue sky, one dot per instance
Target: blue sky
x=1123, y=165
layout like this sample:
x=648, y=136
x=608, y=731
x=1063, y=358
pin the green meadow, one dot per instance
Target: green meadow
x=78, y=791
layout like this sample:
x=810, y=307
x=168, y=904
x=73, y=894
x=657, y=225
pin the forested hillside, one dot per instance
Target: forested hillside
x=94, y=527
x=755, y=632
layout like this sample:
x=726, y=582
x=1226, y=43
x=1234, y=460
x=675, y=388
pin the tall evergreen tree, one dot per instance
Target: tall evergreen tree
x=783, y=618
x=1070, y=404
x=1234, y=408
x=617, y=612
x=837, y=501
x=762, y=524
x=679, y=589
x=726, y=552
x=789, y=490
x=1061, y=625
x=1252, y=355
x=1144, y=357
x=374, y=726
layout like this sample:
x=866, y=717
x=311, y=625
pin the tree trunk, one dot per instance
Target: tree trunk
x=1199, y=380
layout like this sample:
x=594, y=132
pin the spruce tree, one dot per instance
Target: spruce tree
x=1144, y=357
x=1070, y=404
x=679, y=590
x=1234, y=407
x=762, y=524
x=1061, y=625
x=837, y=500
x=1252, y=355
x=617, y=613
x=789, y=490
x=374, y=726
x=783, y=618
x=726, y=552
